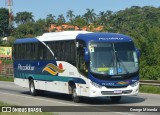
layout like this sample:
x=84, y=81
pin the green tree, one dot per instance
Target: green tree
x=23, y=17
x=4, y=22
x=50, y=19
x=70, y=15
x=79, y=22
x=90, y=16
x=61, y=20
x=102, y=17
x=40, y=27
x=31, y=29
x=9, y=42
x=25, y=30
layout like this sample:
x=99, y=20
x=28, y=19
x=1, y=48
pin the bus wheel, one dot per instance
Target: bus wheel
x=33, y=91
x=75, y=97
x=115, y=98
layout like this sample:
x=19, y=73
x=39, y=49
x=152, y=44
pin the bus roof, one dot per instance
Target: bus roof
x=65, y=35
x=81, y=35
x=84, y=35
x=25, y=40
x=104, y=37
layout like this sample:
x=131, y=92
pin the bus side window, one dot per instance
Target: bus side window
x=40, y=51
x=72, y=51
x=81, y=62
x=68, y=52
x=49, y=55
x=82, y=65
x=33, y=52
x=53, y=48
x=28, y=51
x=56, y=51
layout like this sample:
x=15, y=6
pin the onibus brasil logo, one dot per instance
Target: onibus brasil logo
x=53, y=69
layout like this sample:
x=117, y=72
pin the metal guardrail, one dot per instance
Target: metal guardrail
x=150, y=82
x=6, y=75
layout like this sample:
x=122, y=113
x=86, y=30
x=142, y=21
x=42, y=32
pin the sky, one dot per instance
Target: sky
x=41, y=8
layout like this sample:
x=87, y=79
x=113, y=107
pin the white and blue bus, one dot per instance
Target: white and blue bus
x=79, y=63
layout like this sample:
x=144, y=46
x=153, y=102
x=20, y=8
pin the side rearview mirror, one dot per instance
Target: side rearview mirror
x=138, y=53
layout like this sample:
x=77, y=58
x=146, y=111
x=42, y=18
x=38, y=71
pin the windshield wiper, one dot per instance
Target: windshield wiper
x=120, y=62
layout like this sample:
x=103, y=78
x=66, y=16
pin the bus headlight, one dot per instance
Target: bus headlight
x=96, y=85
x=135, y=84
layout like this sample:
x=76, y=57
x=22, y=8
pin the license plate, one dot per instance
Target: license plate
x=117, y=91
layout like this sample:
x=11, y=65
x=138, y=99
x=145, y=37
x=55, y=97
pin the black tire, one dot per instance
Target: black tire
x=75, y=97
x=33, y=91
x=115, y=98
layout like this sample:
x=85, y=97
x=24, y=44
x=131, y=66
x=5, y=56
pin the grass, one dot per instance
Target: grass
x=16, y=113
x=6, y=78
x=150, y=89
x=3, y=104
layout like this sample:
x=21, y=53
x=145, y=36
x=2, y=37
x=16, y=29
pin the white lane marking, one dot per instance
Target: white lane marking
x=39, y=99
x=11, y=86
x=8, y=85
x=61, y=103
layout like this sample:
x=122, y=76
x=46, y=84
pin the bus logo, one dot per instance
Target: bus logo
x=123, y=82
x=26, y=67
x=53, y=69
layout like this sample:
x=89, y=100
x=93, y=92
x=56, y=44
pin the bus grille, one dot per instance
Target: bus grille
x=112, y=92
x=116, y=86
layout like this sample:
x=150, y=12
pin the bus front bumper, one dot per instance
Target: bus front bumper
x=104, y=91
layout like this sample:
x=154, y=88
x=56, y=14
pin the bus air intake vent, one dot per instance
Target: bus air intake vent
x=113, y=93
x=116, y=86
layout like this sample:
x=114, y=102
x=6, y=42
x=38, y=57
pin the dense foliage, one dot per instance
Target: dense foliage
x=141, y=23
x=4, y=21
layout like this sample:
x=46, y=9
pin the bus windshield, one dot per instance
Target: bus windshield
x=113, y=58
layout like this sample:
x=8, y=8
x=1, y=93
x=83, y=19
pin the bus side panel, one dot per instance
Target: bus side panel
x=20, y=70
x=84, y=88
x=54, y=86
x=71, y=71
x=57, y=86
x=40, y=85
x=45, y=80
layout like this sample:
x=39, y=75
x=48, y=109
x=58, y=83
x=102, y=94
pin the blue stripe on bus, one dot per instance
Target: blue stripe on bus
x=114, y=83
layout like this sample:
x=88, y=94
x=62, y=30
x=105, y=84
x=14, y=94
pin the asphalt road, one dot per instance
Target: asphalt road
x=16, y=95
